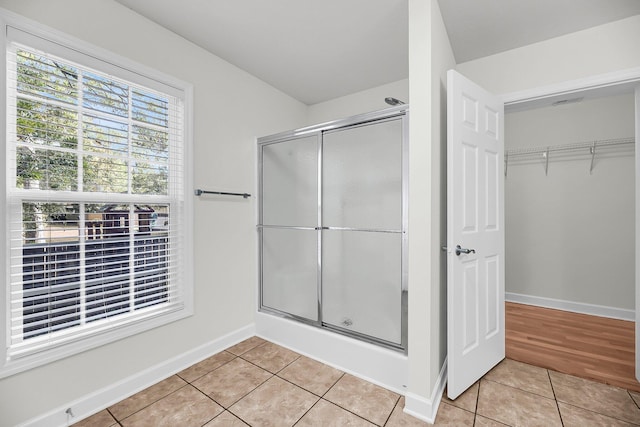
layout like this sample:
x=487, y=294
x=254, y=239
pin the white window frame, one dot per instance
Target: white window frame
x=112, y=63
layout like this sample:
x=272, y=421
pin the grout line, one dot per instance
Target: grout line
x=288, y=364
x=520, y=389
x=208, y=372
x=263, y=368
x=392, y=410
x=600, y=414
x=306, y=389
x=307, y=411
x=351, y=412
x=334, y=384
x=249, y=392
x=634, y=401
x=475, y=409
x=112, y=416
x=553, y=390
x=152, y=403
x=248, y=350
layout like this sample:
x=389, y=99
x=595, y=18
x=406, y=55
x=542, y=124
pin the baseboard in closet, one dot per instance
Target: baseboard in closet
x=574, y=307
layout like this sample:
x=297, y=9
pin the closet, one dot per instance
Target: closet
x=570, y=219
x=569, y=204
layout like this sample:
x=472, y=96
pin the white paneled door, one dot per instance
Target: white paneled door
x=475, y=232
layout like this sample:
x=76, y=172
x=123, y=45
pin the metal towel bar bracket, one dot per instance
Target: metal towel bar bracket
x=199, y=192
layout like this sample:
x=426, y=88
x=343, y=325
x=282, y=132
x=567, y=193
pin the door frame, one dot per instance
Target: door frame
x=609, y=84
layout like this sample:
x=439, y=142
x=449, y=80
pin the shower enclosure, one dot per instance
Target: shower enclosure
x=332, y=223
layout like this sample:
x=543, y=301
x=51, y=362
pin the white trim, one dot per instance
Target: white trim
x=37, y=29
x=636, y=318
x=621, y=80
x=427, y=409
x=381, y=366
x=575, y=307
x=113, y=393
x=5, y=274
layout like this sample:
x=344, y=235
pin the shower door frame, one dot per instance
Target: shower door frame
x=400, y=112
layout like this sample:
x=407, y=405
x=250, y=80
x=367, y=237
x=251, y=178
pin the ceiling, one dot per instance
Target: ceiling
x=316, y=50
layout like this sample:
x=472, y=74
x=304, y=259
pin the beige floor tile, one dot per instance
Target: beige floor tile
x=327, y=414
x=523, y=376
x=270, y=356
x=274, y=403
x=311, y=375
x=455, y=417
x=146, y=397
x=399, y=419
x=246, y=345
x=467, y=400
x=573, y=416
x=486, y=422
x=516, y=407
x=226, y=419
x=367, y=400
x=101, y=419
x=185, y=408
x=601, y=398
x=512, y=394
x=232, y=381
x=194, y=372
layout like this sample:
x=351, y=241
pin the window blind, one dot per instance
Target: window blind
x=96, y=193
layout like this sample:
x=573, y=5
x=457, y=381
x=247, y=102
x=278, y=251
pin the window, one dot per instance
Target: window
x=96, y=159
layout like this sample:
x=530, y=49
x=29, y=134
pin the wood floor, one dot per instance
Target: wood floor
x=591, y=347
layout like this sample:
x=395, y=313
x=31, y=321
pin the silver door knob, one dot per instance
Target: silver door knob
x=460, y=250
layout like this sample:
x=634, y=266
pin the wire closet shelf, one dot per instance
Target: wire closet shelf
x=587, y=148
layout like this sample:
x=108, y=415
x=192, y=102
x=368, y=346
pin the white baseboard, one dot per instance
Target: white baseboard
x=427, y=409
x=576, y=307
x=107, y=396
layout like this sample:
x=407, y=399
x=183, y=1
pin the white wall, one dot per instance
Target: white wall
x=231, y=108
x=430, y=55
x=358, y=103
x=599, y=50
x=442, y=61
x=569, y=235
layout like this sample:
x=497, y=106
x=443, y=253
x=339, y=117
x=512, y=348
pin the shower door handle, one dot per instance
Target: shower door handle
x=460, y=250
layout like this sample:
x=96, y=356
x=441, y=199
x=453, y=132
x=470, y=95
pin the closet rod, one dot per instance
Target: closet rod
x=199, y=192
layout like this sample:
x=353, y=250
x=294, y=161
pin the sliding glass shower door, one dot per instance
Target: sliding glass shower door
x=332, y=222
x=362, y=229
x=289, y=227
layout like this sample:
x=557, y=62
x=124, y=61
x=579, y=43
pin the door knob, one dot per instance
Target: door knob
x=460, y=250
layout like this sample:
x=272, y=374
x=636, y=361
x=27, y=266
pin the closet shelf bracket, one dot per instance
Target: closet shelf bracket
x=506, y=162
x=546, y=162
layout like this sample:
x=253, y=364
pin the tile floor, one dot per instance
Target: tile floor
x=259, y=383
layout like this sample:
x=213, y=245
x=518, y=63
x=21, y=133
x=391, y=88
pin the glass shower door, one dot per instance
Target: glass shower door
x=288, y=221
x=362, y=224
